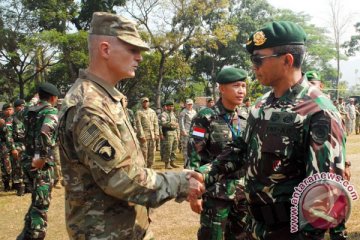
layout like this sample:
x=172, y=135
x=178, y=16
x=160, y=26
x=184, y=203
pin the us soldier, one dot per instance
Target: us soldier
x=58, y=178
x=293, y=131
x=357, y=120
x=147, y=131
x=170, y=126
x=342, y=110
x=223, y=206
x=108, y=190
x=185, y=118
x=40, y=122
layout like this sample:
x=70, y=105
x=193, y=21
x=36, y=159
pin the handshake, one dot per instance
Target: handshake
x=196, y=189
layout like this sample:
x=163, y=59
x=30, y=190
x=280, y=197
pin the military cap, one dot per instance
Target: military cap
x=231, y=74
x=19, y=102
x=209, y=99
x=189, y=101
x=6, y=106
x=109, y=24
x=313, y=76
x=276, y=34
x=143, y=99
x=49, y=88
x=169, y=102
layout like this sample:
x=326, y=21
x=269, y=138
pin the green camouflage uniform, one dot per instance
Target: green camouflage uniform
x=147, y=125
x=108, y=191
x=224, y=208
x=39, y=141
x=5, y=145
x=287, y=139
x=169, y=124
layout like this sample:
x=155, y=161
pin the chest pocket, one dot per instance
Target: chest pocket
x=220, y=136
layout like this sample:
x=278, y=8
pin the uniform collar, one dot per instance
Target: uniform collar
x=221, y=109
x=111, y=90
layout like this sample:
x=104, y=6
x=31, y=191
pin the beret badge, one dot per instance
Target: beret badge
x=259, y=38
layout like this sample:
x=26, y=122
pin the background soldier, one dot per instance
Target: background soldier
x=210, y=102
x=129, y=113
x=170, y=126
x=357, y=120
x=223, y=207
x=40, y=123
x=147, y=130
x=185, y=118
x=342, y=110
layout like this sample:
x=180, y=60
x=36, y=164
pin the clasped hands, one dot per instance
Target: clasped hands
x=196, y=189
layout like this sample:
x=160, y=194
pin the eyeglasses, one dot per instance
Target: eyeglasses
x=257, y=60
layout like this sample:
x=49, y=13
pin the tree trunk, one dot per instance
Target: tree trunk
x=160, y=80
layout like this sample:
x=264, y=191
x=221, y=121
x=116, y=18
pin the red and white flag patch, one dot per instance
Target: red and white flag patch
x=199, y=132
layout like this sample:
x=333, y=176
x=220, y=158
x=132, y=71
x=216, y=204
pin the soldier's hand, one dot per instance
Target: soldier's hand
x=183, y=133
x=38, y=163
x=347, y=173
x=156, y=137
x=143, y=140
x=15, y=154
x=196, y=185
x=196, y=205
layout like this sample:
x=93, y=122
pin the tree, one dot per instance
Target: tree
x=353, y=45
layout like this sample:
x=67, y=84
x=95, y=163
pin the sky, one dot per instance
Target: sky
x=319, y=10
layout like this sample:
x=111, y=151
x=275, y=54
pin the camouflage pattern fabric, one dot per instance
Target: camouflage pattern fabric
x=288, y=139
x=40, y=141
x=169, y=124
x=185, y=119
x=107, y=189
x=147, y=127
x=357, y=120
x=211, y=131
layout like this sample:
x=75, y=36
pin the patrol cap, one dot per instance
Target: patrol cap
x=49, y=88
x=276, y=34
x=313, y=76
x=209, y=99
x=169, y=103
x=6, y=106
x=143, y=99
x=19, y=102
x=104, y=23
x=231, y=74
x=189, y=101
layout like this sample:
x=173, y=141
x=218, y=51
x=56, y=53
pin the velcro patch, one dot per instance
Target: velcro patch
x=199, y=132
x=89, y=134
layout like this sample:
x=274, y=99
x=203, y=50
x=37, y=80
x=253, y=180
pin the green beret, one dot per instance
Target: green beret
x=19, y=102
x=169, y=102
x=276, y=34
x=104, y=23
x=49, y=88
x=229, y=75
x=313, y=76
x=6, y=106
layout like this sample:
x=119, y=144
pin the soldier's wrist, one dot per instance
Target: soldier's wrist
x=347, y=164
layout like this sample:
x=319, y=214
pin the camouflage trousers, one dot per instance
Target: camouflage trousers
x=357, y=125
x=36, y=218
x=6, y=169
x=170, y=146
x=223, y=219
x=184, y=142
x=148, y=150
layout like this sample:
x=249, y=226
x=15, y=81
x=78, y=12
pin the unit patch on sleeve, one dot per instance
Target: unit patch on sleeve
x=103, y=148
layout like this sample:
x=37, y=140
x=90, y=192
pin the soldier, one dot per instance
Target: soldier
x=147, y=131
x=58, y=178
x=185, y=118
x=314, y=78
x=6, y=147
x=108, y=190
x=342, y=110
x=293, y=132
x=351, y=115
x=211, y=130
x=210, y=102
x=245, y=108
x=130, y=114
x=40, y=122
x=170, y=126
x=357, y=120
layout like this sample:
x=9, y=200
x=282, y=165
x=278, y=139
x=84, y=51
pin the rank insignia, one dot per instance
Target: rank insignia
x=259, y=38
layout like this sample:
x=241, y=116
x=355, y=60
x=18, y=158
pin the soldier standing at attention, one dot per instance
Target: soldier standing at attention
x=108, y=190
x=293, y=132
x=185, y=118
x=170, y=126
x=147, y=125
x=40, y=122
x=211, y=131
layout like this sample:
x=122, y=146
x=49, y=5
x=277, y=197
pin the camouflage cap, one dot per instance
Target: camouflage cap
x=231, y=74
x=19, y=102
x=6, y=106
x=143, y=99
x=209, y=99
x=109, y=24
x=276, y=34
x=189, y=101
x=49, y=88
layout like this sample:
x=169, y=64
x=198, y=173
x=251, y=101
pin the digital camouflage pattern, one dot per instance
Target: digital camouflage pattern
x=170, y=128
x=147, y=125
x=40, y=122
x=185, y=119
x=211, y=131
x=107, y=189
x=287, y=139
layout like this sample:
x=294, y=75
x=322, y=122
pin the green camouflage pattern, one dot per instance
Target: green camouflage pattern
x=107, y=189
x=288, y=139
x=226, y=196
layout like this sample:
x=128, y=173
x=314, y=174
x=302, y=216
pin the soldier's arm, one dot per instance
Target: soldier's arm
x=140, y=130
x=9, y=137
x=165, y=121
x=48, y=131
x=115, y=164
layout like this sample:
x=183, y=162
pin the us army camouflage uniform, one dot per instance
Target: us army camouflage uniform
x=39, y=142
x=357, y=120
x=224, y=209
x=185, y=119
x=287, y=139
x=107, y=189
x=169, y=124
x=147, y=127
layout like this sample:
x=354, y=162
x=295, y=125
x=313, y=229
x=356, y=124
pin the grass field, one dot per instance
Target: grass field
x=171, y=221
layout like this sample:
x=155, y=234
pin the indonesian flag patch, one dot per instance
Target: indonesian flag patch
x=199, y=132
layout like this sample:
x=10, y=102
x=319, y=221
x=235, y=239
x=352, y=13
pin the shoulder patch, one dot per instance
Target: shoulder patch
x=103, y=148
x=198, y=131
x=89, y=134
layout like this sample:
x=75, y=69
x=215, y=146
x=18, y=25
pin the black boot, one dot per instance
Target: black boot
x=6, y=185
x=21, y=190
